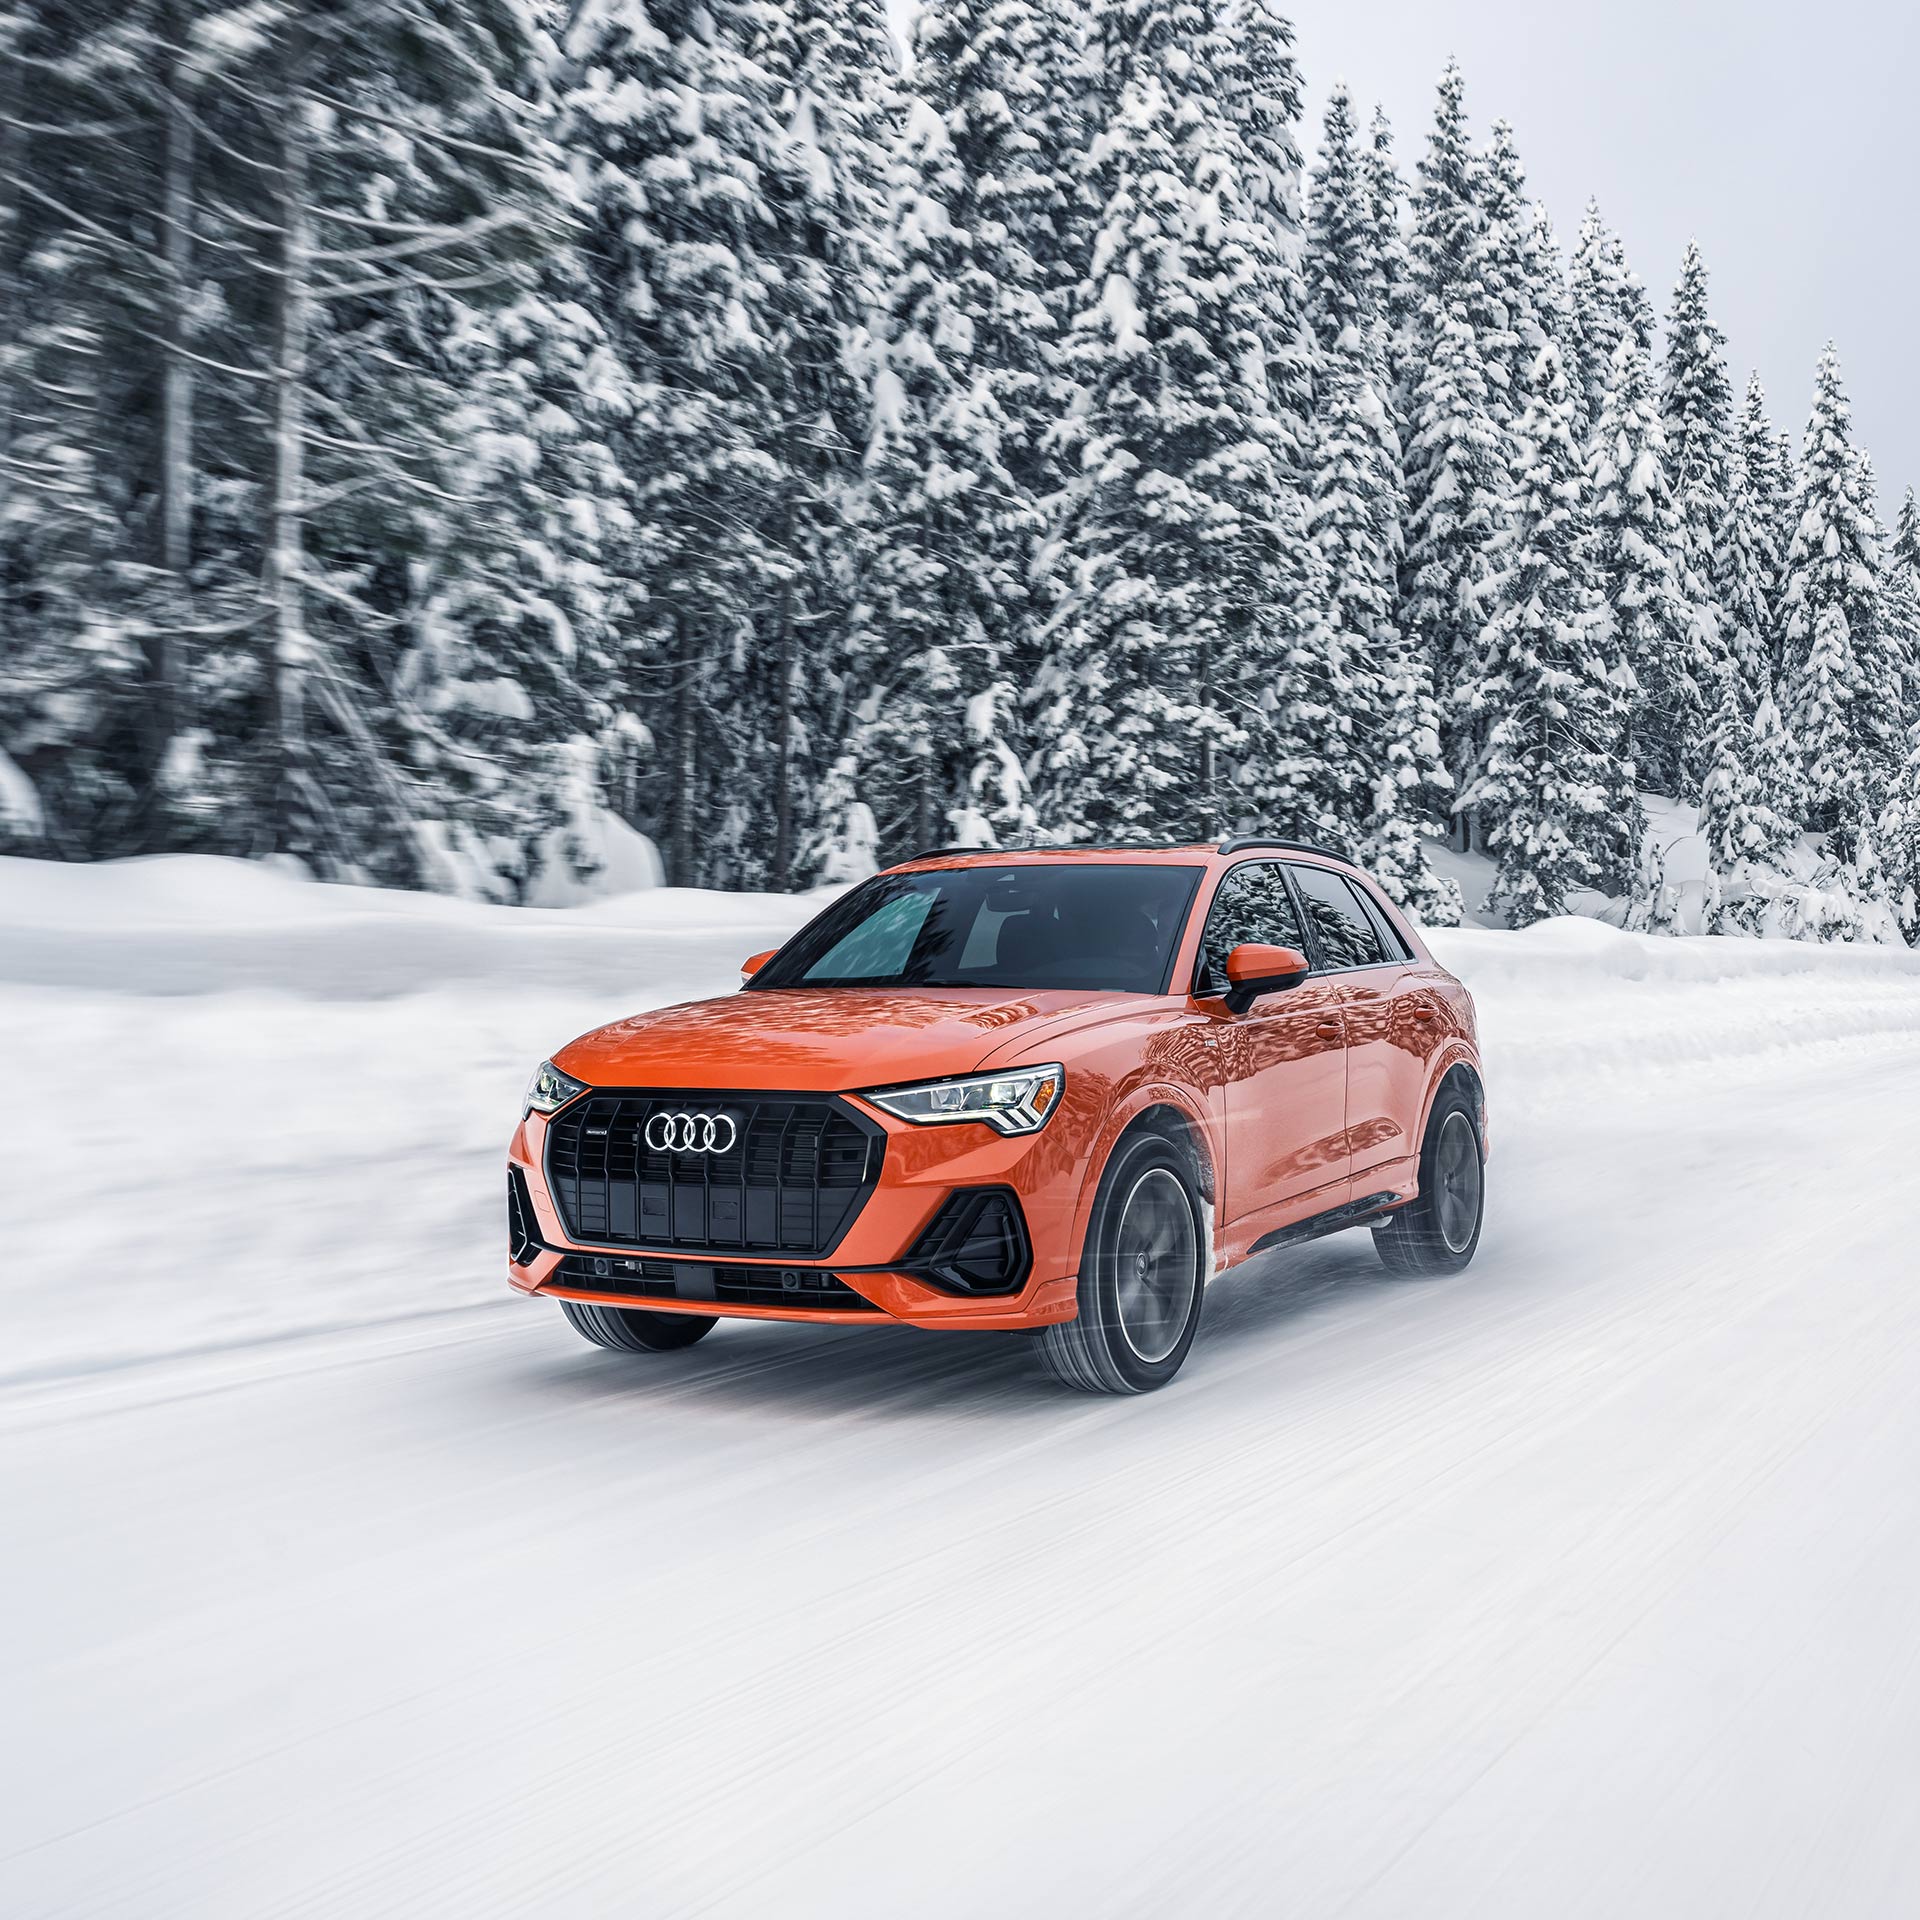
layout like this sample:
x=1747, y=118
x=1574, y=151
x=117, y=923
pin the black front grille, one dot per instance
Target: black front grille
x=787, y=1174
x=631, y=1276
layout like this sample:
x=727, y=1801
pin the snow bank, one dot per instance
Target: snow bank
x=247, y=1106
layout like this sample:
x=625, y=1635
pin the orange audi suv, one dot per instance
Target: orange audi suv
x=1051, y=1092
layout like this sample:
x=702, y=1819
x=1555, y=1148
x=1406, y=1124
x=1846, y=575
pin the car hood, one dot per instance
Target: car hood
x=821, y=1040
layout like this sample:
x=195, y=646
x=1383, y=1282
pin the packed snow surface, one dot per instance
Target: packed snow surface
x=342, y=1581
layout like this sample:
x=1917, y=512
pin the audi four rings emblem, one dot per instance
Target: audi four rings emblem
x=691, y=1132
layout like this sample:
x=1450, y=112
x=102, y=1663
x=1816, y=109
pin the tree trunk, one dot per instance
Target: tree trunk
x=783, y=746
x=161, y=716
x=290, y=649
x=680, y=837
x=1210, y=825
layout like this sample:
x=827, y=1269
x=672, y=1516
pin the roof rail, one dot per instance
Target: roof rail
x=1241, y=843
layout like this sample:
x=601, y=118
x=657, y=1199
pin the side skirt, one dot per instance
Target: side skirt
x=1317, y=1226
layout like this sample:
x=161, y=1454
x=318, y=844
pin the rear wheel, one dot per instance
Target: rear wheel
x=1438, y=1232
x=1142, y=1273
x=626, y=1330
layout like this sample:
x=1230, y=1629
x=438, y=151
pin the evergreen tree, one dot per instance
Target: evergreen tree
x=1447, y=220
x=1358, y=504
x=1549, y=783
x=1642, y=568
x=1396, y=296
x=1458, y=490
x=1607, y=305
x=1698, y=406
x=1747, y=816
x=1509, y=279
x=1180, y=585
x=1898, y=837
x=831, y=77
x=1900, y=601
x=1768, y=491
x=1830, y=609
x=963, y=395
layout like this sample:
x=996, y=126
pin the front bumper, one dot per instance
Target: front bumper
x=921, y=1168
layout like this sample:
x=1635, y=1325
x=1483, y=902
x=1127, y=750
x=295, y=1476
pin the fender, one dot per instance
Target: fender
x=1456, y=1053
x=1121, y=1114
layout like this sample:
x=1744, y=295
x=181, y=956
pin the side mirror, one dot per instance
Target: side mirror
x=1253, y=969
x=754, y=962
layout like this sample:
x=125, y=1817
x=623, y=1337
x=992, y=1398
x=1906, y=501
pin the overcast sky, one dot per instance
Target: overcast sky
x=1781, y=134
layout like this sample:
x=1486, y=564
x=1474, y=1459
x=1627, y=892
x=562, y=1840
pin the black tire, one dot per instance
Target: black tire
x=627, y=1330
x=1439, y=1231
x=1143, y=1274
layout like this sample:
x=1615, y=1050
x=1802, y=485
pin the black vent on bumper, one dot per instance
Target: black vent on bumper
x=614, y=1273
x=523, y=1237
x=976, y=1243
x=712, y=1172
x=789, y=1288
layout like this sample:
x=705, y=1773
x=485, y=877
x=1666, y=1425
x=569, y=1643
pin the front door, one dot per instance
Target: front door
x=1286, y=1092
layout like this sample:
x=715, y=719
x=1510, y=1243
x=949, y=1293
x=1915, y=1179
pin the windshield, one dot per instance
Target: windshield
x=1073, y=925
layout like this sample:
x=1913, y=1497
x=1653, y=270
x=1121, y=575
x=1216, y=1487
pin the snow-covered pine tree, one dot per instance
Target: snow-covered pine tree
x=1396, y=296
x=1607, y=304
x=674, y=129
x=96, y=423
x=1697, y=402
x=831, y=74
x=1747, y=816
x=1508, y=278
x=1830, y=615
x=1642, y=566
x=1357, y=507
x=1883, y=659
x=1900, y=599
x=1447, y=221
x=964, y=393
x=1179, y=607
x=1753, y=593
x=1898, y=837
x=1549, y=782
x=1250, y=54
x=1459, y=487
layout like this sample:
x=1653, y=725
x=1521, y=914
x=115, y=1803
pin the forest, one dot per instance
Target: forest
x=444, y=441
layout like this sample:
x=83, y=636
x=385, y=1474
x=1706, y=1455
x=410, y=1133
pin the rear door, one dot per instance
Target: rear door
x=1286, y=1064
x=1381, y=1001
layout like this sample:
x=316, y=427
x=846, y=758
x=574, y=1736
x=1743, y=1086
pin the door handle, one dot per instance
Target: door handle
x=1328, y=1030
x=1423, y=1013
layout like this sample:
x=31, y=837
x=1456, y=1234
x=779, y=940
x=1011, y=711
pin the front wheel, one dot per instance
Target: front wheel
x=626, y=1330
x=1142, y=1273
x=1438, y=1232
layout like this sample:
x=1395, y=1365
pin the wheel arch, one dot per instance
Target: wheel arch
x=1157, y=1110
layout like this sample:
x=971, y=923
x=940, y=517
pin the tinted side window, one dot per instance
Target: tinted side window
x=1392, y=940
x=1254, y=904
x=1347, y=938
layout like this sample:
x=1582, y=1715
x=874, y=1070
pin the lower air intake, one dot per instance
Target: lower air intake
x=977, y=1243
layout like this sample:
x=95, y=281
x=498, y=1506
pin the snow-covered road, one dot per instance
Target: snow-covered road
x=1585, y=1583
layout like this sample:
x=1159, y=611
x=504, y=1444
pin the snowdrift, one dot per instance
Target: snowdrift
x=248, y=1106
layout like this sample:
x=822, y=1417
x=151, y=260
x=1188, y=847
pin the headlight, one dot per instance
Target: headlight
x=1016, y=1102
x=550, y=1089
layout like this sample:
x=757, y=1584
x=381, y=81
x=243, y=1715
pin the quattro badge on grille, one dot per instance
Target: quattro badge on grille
x=691, y=1132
